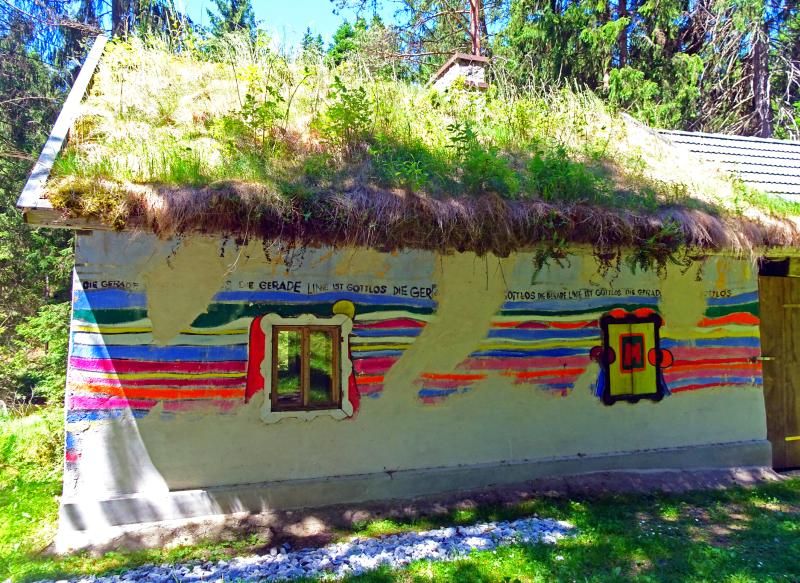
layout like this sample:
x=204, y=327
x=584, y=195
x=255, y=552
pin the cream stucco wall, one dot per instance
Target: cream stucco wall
x=498, y=419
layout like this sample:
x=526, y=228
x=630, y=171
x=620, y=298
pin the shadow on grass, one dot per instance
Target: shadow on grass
x=730, y=535
x=720, y=535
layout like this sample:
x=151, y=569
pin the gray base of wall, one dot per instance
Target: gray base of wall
x=87, y=519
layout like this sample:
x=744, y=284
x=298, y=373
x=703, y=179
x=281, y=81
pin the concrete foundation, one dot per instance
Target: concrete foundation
x=87, y=520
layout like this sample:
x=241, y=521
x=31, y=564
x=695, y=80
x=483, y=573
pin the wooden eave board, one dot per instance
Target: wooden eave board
x=36, y=208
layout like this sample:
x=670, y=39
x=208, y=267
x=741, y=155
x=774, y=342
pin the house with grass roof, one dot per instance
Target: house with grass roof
x=297, y=287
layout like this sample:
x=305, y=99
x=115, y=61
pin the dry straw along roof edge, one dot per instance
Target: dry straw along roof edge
x=389, y=220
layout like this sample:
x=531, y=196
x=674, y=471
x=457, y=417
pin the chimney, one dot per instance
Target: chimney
x=472, y=68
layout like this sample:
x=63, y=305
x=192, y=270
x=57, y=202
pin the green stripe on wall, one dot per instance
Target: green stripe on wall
x=717, y=311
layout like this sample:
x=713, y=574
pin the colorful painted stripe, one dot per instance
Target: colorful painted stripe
x=110, y=365
x=163, y=353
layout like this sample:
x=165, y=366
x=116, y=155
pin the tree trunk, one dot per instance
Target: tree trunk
x=474, y=26
x=484, y=30
x=119, y=17
x=622, y=40
x=761, y=97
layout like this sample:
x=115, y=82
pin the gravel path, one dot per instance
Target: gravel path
x=352, y=557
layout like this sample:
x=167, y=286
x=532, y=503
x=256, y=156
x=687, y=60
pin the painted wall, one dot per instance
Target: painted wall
x=458, y=360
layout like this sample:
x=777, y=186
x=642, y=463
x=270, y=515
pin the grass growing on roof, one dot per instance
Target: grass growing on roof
x=232, y=137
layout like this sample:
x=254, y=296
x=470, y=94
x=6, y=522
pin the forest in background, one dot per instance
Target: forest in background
x=729, y=66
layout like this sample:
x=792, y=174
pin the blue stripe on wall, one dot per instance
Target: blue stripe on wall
x=287, y=297
x=119, y=299
x=531, y=334
x=712, y=342
x=162, y=353
x=76, y=416
x=436, y=392
x=745, y=298
x=107, y=299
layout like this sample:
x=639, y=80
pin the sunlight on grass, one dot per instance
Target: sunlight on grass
x=669, y=512
x=381, y=528
x=736, y=535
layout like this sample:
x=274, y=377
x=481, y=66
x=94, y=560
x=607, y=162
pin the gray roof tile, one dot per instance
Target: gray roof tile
x=772, y=166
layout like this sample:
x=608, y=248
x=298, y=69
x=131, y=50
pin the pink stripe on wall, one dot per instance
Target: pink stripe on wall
x=370, y=366
x=93, y=403
x=369, y=388
x=202, y=404
x=447, y=383
x=526, y=363
x=702, y=373
x=696, y=353
x=550, y=379
x=125, y=366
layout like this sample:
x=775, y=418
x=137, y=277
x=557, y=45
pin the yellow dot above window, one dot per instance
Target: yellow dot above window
x=345, y=307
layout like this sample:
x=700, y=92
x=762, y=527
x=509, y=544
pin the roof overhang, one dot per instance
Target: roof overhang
x=34, y=205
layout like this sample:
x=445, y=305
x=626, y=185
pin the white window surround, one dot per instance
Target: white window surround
x=345, y=366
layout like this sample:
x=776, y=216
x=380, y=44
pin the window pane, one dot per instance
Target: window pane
x=321, y=367
x=289, y=366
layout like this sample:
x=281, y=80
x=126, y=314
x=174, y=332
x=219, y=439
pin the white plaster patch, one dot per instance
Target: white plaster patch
x=181, y=287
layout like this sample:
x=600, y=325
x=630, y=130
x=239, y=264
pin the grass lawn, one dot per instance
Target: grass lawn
x=732, y=535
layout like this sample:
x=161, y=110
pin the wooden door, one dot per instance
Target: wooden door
x=780, y=349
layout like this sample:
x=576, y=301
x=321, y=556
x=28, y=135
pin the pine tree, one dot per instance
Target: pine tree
x=232, y=15
x=311, y=43
x=345, y=40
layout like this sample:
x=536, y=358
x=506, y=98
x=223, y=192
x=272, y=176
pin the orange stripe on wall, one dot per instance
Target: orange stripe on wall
x=532, y=374
x=372, y=379
x=161, y=393
x=736, y=318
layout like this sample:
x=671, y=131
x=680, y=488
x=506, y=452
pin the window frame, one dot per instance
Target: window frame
x=340, y=407
x=305, y=367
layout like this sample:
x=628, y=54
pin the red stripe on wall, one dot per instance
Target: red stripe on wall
x=215, y=382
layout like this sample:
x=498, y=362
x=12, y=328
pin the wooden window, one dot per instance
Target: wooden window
x=306, y=368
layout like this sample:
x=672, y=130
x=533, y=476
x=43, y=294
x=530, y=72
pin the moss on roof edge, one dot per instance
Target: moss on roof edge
x=392, y=220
